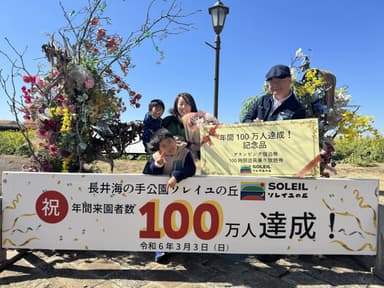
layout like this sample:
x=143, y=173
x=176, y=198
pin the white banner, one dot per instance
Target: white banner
x=203, y=214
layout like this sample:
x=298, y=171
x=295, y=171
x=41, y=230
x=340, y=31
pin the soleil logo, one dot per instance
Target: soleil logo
x=252, y=191
x=245, y=169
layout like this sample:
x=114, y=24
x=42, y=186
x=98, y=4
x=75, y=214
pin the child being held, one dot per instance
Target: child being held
x=169, y=159
x=152, y=120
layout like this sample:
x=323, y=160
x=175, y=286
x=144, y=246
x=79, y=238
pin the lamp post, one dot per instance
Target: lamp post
x=218, y=13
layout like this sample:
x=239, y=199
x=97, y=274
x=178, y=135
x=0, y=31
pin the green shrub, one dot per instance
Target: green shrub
x=362, y=151
x=13, y=143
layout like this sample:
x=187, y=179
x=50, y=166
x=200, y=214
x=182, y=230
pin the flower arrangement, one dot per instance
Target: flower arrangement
x=317, y=91
x=64, y=117
x=193, y=122
x=77, y=94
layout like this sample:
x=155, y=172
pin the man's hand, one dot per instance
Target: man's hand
x=257, y=120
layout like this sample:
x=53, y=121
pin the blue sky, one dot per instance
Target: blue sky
x=345, y=37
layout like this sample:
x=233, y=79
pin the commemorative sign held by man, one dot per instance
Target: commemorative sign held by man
x=277, y=148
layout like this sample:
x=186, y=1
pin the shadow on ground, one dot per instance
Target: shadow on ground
x=232, y=270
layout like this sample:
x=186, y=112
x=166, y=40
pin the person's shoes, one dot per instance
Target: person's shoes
x=268, y=258
x=160, y=257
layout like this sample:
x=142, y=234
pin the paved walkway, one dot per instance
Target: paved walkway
x=125, y=269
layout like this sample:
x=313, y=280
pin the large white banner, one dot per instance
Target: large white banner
x=203, y=214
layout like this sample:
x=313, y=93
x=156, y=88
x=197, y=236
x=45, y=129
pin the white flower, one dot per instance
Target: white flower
x=81, y=76
x=293, y=73
x=344, y=97
x=299, y=53
x=45, y=116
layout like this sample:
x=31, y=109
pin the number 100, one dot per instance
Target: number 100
x=187, y=219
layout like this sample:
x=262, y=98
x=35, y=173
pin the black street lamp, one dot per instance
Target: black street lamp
x=218, y=13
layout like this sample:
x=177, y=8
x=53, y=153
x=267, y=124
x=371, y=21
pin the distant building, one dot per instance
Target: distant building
x=12, y=125
x=8, y=125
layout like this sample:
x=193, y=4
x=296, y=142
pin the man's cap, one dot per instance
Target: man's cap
x=278, y=71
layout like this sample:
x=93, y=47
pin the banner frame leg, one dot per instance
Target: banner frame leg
x=378, y=269
x=3, y=252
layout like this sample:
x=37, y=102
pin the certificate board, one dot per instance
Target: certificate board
x=275, y=148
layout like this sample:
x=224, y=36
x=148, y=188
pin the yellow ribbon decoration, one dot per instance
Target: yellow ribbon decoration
x=360, y=200
x=16, y=219
x=14, y=202
x=346, y=247
x=22, y=244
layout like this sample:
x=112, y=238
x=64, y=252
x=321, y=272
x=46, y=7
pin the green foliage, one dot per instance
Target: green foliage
x=247, y=105
x=13, y=143
x=362, y=151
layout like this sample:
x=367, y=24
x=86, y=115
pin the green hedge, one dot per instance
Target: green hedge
x=363, y=151
x=13, y=143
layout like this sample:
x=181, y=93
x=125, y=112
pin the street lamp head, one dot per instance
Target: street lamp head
x=218, y=13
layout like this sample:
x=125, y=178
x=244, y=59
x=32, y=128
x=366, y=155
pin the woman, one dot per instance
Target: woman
x=184, y=104
x=185, y=122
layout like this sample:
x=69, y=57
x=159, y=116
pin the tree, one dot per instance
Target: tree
x=76, y=105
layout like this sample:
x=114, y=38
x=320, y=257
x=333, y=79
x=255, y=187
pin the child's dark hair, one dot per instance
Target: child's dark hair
x=157, y=137
x=154, y=103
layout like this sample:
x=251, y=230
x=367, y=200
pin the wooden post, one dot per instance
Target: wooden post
x=3, y=252
x=379, y=265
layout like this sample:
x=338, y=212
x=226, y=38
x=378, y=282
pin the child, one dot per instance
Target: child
x=152, y=120
x=168, y=159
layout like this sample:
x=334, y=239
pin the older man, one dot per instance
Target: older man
x=280, y=103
